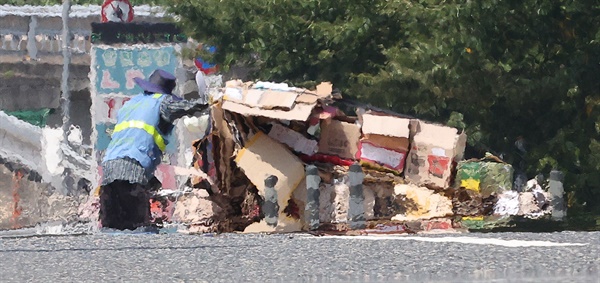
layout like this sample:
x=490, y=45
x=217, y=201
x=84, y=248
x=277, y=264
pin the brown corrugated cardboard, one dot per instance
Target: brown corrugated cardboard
x=263, y=157
x=224, y=149
x=252, y=97
x=434, y=149
x=271, y=99
x=386, y=141
x=385, y=125
x=239, y=89
x=393, y=143
x=265, y=99
x=339, y=138
x=300, y=112
x=307, y=98
x=324, y=89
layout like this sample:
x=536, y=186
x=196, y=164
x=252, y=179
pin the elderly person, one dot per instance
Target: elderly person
x=137, y=145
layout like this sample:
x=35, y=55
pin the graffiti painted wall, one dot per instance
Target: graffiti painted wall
x=117, y=67
x=113, y=69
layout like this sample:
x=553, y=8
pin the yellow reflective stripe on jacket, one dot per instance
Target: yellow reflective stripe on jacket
x=157, y=95
x=158, y=139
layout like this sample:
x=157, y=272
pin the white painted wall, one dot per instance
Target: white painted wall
x=21, y=142
x=41, y=149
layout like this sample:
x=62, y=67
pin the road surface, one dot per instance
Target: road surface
x=474, y=257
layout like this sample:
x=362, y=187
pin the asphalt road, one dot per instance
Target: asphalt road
x=302, y=258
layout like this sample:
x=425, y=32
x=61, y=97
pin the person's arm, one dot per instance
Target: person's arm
x=172, y=109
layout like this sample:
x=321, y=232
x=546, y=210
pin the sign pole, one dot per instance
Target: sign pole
x=66, y=39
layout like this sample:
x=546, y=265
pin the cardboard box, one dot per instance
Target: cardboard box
x=434, y=151
x=388, y=158
x=386, y=141
x=392, y=143
x=385, y=125
x=339, y=138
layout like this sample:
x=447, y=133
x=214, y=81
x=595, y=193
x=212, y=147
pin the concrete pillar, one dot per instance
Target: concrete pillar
x=271, y=206
x=31, y=41
x=356, y=210
x=559, y=207
x=312, y=197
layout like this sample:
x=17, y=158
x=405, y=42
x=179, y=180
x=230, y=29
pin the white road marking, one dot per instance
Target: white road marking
x=463, y=240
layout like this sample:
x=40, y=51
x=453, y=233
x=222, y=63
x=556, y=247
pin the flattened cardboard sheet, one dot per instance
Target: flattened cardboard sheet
x=300, y=112
x=264, y=156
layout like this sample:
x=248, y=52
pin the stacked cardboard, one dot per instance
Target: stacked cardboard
x=266, y=129
x=385, y=141
x=339, y=138
x=434, y=151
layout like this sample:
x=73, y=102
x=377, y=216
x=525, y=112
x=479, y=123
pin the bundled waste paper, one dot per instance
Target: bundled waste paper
x=264, y=141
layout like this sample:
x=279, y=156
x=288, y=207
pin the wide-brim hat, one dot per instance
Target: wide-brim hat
x=160, y=81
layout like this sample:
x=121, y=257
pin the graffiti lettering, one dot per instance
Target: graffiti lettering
x=116, y=68
x=114, y=104
x=95, y=37
x=146, y=37
x=180, y=37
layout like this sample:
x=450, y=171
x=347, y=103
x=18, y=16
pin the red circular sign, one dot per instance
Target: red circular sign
x=117, y=11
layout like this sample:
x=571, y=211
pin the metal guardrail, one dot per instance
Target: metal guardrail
x=37, y=30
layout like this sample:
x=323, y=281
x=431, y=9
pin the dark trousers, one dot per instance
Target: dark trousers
x=124, y=206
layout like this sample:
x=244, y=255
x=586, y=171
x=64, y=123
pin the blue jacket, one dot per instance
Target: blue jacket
x=136, y=134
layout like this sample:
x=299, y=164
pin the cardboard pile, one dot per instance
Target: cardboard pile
x=267, y=129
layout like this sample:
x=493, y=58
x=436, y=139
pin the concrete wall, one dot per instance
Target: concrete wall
x=27, y=85
x=40, y=149
x=41, y=177
x=26, y=201
x=31, y=62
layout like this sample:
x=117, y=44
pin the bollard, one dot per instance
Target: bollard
x=271, y=206
x=559, y=208
x=356, y=210
x=313, y=180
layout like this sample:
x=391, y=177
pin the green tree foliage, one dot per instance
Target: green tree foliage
x=504, y=69
x=298, y=40
x=79, y=2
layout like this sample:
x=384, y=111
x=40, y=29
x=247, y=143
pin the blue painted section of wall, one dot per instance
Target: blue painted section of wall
x=103, y=139
x=116, y=68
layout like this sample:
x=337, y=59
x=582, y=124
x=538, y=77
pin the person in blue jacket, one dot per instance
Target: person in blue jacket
x=136, y=149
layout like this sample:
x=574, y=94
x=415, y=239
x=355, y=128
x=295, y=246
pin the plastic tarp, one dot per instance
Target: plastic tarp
x=34, y=117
